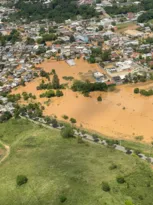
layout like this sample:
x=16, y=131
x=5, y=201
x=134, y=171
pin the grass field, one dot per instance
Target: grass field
x=58, y=167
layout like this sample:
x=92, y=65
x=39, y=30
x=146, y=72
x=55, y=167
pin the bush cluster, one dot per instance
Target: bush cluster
x=86, y=87
x=26, y=96
x=51, y=93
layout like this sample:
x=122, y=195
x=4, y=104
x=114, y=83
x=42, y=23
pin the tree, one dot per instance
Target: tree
x=67, y=132
x=55, y=82
x=136, y=90
x=73, y=120
x=21, y=179
x=30, y=41
x=59, y=93
x=99, y=98
x=5, y=116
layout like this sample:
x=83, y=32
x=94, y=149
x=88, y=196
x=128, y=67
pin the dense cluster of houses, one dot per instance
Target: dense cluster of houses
x=75, y=39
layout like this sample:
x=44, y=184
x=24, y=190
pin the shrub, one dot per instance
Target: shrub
x=86, y=94
x=80, y=140
x=73, y=120
x=63, y=199
x=99, y=98
x=136, y=90
x=70, y=78
x=139, y=138
x=67, y=132
x=113, y=166
x=137, y=152
x=65, y=117
x=21, y=179
x=120, y=180
x=59, y=93
x=48, y=94
x=128, y=202
x=105, y=186
x=54, y=123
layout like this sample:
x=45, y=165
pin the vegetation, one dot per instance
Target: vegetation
x=70, y=78
x=5, y=116
x=13, y=97
x=67, y=132
x=48, y=94
x=99, y=98
x=136, y=90
x=72, y=120
x=55, y=82
x=56, y=10
x=120, y=180
x=98, y=55
x=21, y=179
x=13, y=37
x=32, y=110
x=86, y=87
x=44, y=74
x=105, y=186
x=65, y=117
x=143, y=92
x=27, y=96
x=57, y=167
x=51, y=93
x=59, y=93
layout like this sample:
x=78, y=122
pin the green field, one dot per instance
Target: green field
x=58, y=167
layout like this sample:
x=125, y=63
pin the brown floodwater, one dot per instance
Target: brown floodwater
x=121, y=114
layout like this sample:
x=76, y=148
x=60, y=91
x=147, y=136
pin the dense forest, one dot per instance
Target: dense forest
x=57, y=10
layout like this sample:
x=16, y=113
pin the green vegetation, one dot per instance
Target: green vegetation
x=99, y=98
x=13, y=37
x=56, y=10
x=65, y=117
x=55, y=81
x=98, y=55
x=5, y=116
x=120, y=180
x=105, y=186
x=44, y=74
x=67, y=132
x=70, y=78
x=146, y=16
x=32, y=109
x=72, y=120
x=21, y=179
x=136, y=90
x=59, y=168
x=27, y=96
x=143, y=92
x=59, y=93
x=51, y=93
x=86, y=87
x=13, y=97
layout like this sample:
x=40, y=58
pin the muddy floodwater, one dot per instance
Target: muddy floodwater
x=121, y=114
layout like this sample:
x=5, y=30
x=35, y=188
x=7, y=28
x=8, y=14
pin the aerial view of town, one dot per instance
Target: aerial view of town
x=76, y=102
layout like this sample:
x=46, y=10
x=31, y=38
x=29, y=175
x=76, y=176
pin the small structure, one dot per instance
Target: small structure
x=70, y=62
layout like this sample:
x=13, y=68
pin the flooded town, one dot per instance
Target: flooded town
x=116, y=51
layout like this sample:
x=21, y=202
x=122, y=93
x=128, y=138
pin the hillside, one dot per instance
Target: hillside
x=58, y=167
